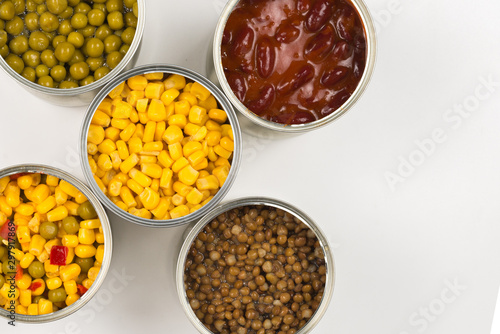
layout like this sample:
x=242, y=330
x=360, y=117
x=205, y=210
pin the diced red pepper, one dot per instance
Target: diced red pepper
x=35, y=286
x=81, y=289
x=4, y=231
x=18, y=175
x=19, y=272
x=58, y=255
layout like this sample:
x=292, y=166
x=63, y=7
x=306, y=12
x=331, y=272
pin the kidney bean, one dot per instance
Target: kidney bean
x=359, y=41
x=337, y=101
x=266, y=57
x=333, y=76
x=358, y=67
x=303, y=5
x=286, y=33
x=300, y=78
x=302, y=117
x=319, y=14
x=238, y=84
x=321, y=44
x=243, y=42
x=341, y=50
x=345, y=23
x=265, y=99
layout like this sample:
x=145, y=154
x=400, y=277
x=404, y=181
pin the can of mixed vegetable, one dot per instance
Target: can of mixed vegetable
x=56, y=244
x=295, y=74
x=254, y=265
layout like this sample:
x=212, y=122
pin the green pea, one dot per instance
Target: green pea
x=129, y=3
x=87, y=81
x=38, y=41
x=49, y=22
x=36, y=269
x=88, y=31
x=8, y=267
x=31, y=21
x=58, y=73
x=67, y=13
x=19, y=45
x=95, y=47
x=101, y=72
x=48, y=58
x=46, y=81
x=65, y=28
x=79, y=21
x=57, y=6
x=86, y=211
x=64, y=52
x=95, y=63
x=7, y=11
x=15, y=62
x=48, y=230
x=85, y=264
x=41, y=70
x=131, y=20
x=4, y=51
x=58, y=40
x=73, y=3
x=76, y=39
x=36, y=299
x=57, y=295
x=68, y=85
x=40, y=9
x=96, y=17
x=31, y=58
x=15, y=26
x=30, y=6
x=29, y=73
x=112, y=43
x=19, y=6
x=3, y=38
x=83, y=8
x=103, y=31
x=128, y=35
x=78, y=57
x=115, y=20
x=113, y=59
x=124, y=49
x=114, y=5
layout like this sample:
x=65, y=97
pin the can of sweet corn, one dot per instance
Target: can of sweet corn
x=192, y=234
x=257, y=126
x=86, y=296
x=139, y=185
x=83, y=95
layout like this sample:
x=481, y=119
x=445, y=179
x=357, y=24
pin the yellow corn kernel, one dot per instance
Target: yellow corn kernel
x=86, y=236
x=154, y=76
x=222, y=162
x=26, y=260
x=99, y=256
x=70, y=287
x=209, y=103
x=221, y=173
x=218, y=115
x=194, y=196
x=207, y=183
x=139, y=130
x=101, y=118
x=68, y=188
x=152, y=170
x=114, y=187
x=179, y=164
x=122, y=110
x=157, y=111
x=48, y=204
x=96, y=134
x=230, y=134
x=227, y=144
x=134, y=96
x=140, y=177
x=154, y=90
x=105, y=106
x=44, y=256
x=25, y=181
x=149, y=132
x=6, y=292
x=181, y=188
x=142, y=105
x=45, y=306
x=40, y=193
x=155, y=185
x=200, y=91
x=93, y=272
x=112, y=134
x=99, y=237
x=125, y=92
x=143, y=213
x=149, y=198
x=90, y=223
x=122, y=149
x=36, y=244
x=100, y=184
x=116, y=92
x=205, y=202
x=200, y=135
x=197, y=114
x=179, y=211
x=4, y=181
x=222, y=152
x=175, y=81
x=57, y=214
x=213, y=138
x=191, y=147
x=134, y=145
x=135, y=186
x=123, y=178
x=165, y=160
x=182, y=107
x=81, y=198
x=54, y=283
x=92, y=164
x=49, y=244
x=127, y=197
x=4, y=207
x=138, y=82
x=37, y=178
x=160, y=129
x=173, y=134
x=70, y=240
x=34, y=223
x=188, y=175
x=24, y=283
x=155, y=146
x=20, y=309
x=17, y=254
x=139, y=205
x=73, y=207
x=82, y=251
x=225, y=129
x=129, y=163
x=166, y=177
x=23, y=235
x=71, y=299
x=32, y=309
x=178, y=200
x=191, y=129
x=187, y=96
x=175, y=151
x=161, y=210
x=41, y=289
x=196, y=158
x=128, y=132
x=177, y=119
x=87, y=283
x=213, y=126
x=115, y=159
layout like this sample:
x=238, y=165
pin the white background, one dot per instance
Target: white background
x=395, y=249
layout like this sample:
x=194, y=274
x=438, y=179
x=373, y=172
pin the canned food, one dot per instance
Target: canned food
x=160, y=145
x=57, y=267
x=298, y=74
x=49, y=48
x=252, y=264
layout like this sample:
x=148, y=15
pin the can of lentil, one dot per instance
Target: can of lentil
x=192, y=245
x=108, y=242
x=257, y=126
x=224, y=104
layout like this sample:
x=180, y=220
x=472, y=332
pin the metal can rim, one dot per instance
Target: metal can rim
x=141, y=24
x=108, y=242
x=371, y=47
x=306, y=219
x=221, y=99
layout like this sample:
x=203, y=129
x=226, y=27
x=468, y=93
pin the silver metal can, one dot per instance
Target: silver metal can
x=223, y=102
x=255, y=125
x=108, y=242
x=191, y=235
x=83, y=95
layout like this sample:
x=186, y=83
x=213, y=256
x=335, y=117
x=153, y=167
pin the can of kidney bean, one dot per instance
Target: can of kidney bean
x=292, y=65
x=255, y=263
x=18, y=171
